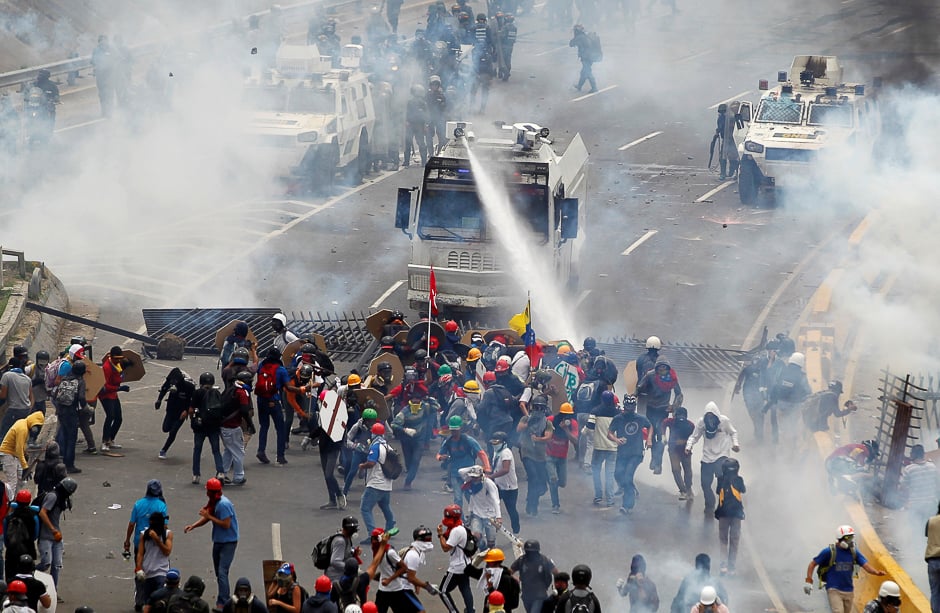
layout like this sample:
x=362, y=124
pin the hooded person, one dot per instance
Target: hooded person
x=719, y=438
x=536, y=573
x=663, y=396
x=48, y=471
x=320, y=601
x=243, y=601
x=639, y=588
x=690, y=590
x=21, y=435
x=191, y=594
x=350, y=588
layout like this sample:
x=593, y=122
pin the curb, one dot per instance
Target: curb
x=43, y=334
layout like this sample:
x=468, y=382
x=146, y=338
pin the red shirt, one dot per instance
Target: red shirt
x=112, y=380
x=557, y=446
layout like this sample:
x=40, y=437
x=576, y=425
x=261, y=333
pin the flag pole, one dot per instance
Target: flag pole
x=430, y=309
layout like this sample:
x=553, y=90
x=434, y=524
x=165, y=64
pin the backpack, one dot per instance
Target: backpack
x=578, y=603
x=392, y=466
x=66, y=393
x=786, y=388
x=471, y=547
x=594, y=50
x=209, y=414
x=228, y=348
x=584, y=397
x=52, y=373
x=16, y=533
x=180, y=603
x=822, y=571
x=323, y=551
x=735, y=502
x=267, y=380
x=492, y=353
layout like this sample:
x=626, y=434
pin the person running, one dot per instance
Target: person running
x=565, y=433
x=639, y=588
x=178, y=389
x=504, y=476
x=837, y=564
x=454, y=537
x=220, y=512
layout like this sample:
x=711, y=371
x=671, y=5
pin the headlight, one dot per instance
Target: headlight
x=307, y=137
x=753, y=147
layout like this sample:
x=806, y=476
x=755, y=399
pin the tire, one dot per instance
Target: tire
x=748, y=187
x=323, y=171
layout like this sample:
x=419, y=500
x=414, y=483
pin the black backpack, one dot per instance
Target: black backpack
x=181, y=603
x=392, y=466
x=594, y=50
x=209, y=413
x=580, y=603
x=787, y=386
x=472, y=545
x=323, y=551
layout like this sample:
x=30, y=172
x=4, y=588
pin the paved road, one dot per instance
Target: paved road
x=157, y=224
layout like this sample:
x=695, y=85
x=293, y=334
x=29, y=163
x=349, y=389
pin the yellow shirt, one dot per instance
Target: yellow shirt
x=14, y=443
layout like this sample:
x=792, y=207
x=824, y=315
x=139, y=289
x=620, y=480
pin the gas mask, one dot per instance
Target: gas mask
x=283, y=580
x=33, y=435
x=414, y=407
x=711, y=425
x=846, y=543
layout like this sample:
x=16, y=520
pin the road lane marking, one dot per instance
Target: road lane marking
x=640, y=140
x=600, y=91
x=897, y=30
x=731, y=99
x=581, y=298
x=276, y=541
x=639, y=242
x=552, y=50
x=80, y=125
x=712, y=192
x=387, y=293
x=694, y=56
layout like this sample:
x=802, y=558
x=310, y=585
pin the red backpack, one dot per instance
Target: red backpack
x=266, y=385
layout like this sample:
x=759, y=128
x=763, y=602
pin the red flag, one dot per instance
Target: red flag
x=432, y=294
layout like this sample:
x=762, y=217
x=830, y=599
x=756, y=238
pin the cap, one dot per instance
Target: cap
x=475, y=471
x=116, y=352
x=173, y=574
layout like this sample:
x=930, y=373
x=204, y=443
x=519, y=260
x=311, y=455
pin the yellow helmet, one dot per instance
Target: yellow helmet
x=474, y=354
x=566, y=408
x=353, y=379
x=494, y=555
x=564, y=349
x=471, y=386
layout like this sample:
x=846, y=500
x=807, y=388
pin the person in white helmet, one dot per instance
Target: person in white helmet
x=836, y=572
x=646, y=361
x=786, y=395
x=709, y=602
x=282, y=336
x=888, y=601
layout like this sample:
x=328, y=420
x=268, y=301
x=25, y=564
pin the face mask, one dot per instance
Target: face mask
x=283, y=580
x=846, y=543
x=33, y=433
x=414, y=407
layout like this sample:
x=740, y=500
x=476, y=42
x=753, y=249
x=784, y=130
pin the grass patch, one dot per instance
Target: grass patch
x=4, y=297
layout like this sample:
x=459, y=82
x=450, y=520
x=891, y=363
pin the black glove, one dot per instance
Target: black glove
x=156, y=405
x=124, y=388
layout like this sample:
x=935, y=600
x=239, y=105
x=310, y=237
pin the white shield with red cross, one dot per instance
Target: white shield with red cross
x=333, y=415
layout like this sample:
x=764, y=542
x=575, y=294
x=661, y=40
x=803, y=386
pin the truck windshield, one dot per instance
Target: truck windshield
x=834, y=115
x=457, y=214
x=779, y=111
x=297, y=99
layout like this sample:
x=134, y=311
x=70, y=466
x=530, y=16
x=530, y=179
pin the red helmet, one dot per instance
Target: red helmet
x=489, y=377
x=377, y=532
x=503, y=364
x=496, y=598
x=16, y=587
x=453, y=511
x=323, y=585
x=499, y=338
x=369, y=607
x=378, y=428
x=23, y=497
x=450, y=326
x=213, y=485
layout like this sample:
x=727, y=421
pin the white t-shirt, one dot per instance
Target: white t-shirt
x=485, y=503
x=412, y=560
x=509, y=481
x=377, y=478
x=458, y=559
x=387, y=568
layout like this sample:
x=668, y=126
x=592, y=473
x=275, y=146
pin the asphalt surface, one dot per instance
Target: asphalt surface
x=714, y=271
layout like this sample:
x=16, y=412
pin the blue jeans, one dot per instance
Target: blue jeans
x=50, y=558
x=607, y=458
x=68, y=433
x=223, y=554
x=625, y=470
x=356, y=458
x=537, y=478
x=533, y=605
x=199, y=437
x=456, y=483
x=557, y=477
x=933, y=575
x=412, y=448
x=270, y=409
x=372, y=497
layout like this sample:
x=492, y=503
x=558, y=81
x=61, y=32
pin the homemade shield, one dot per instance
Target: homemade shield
x=227, y=330
x=333, y=415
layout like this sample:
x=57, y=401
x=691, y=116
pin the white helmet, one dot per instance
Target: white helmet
x=709, y=595
x=352, y=608
x=797, y=358
x=844, y=531
x=280, y=317
x=653, y=342
x=889, y=588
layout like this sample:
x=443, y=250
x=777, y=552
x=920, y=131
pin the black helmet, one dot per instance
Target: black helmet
x=421, y=355
x=481, y=17
x=422, y=533
x=273, y=353
x=543, y=377
x=607, y=397
x=42, y=354
x=531, y=546
x=43, y=74
x=872, y=449
x=207, y=378
x=396, y=314
x=383, y=366
x=731, y=465
x=69, y=484
x=26, y=564
x=309, y=348
x=245, y=376
x=540, y=401
x=411, y=375
x=79, y=368
x=305, y=372
x=590, y=343
x=387, y=341
x=350, y=524
x=240, y=355
x=499, y=436
x=581, y=574
x=835, y=386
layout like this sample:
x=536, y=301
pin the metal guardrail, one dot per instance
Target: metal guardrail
x=27, y=75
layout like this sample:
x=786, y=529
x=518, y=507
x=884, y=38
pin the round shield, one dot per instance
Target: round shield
x=418, y=335
x=227, y=330
x=398, y=371
x=294, y=346
x=333, y=415
x=134, y=369
x=370, y=398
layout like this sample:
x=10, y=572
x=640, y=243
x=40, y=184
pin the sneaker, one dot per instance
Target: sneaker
x=227, y=480
x=724, y=569
x=162, y=455
x=556, y=510
x=195, y=479
x=239, y=482
x=282, y=461
x=329, y=506
x=689, y=495
x=114, y=445
x=610, y=502
x=73, y=470
x=221, y=476
x=341, y=501
x=105, y=448
x=598, y=501
x=448, y=488
x=625, y=511
x=682, y=496
x=304, y=444
x=91, y=450
x=262, y=458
